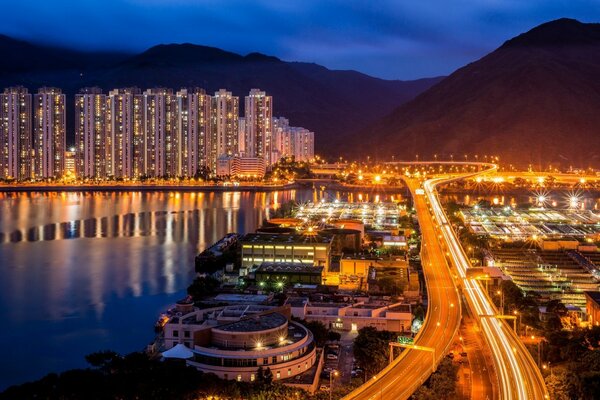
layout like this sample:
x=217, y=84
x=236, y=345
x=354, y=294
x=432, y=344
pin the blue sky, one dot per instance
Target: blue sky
x=384, y=38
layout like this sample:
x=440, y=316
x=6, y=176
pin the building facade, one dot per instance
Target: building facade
x=290, y=248
x=194, y=127
x=49, y=133
x=90, y=133
x=291, y=141
x=233, y=342
x=163, y=157
x=258, y=125
x=225, y=119
x=125, y=142
x=16, y=140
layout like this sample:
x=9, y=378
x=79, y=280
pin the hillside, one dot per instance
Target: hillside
x=334, y=104
x=533, y=100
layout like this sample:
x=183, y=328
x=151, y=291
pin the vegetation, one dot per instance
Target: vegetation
x=203, y=286
x=576, y=356
x=319, y=331
x=371, y=349
x=288, y=169
x=441, y=384
x=135, y=376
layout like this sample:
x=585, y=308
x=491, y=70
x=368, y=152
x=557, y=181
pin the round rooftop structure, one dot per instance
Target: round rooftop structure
x=285, y=222
x=275, y=229
x=256, y=331
x=350, y=224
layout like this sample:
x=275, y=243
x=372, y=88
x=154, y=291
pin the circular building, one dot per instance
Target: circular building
x=236, y=350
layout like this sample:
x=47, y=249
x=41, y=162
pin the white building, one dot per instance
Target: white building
x=125, y=142
x=90, y=133
x=290, y=141
x=233, y=342
x=16, y=140
x=49, y=133
x=194, y=127
x=259, y=115
x=162, y=136
x=395, y=317
x=224, y=130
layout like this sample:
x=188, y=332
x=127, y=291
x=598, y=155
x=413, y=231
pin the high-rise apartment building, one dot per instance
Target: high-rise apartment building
x=225, y=118
x=16, y=140
x=258, y=115
x=194, y=127
x=303, y=144
x=162, y=135
x=291, y=141
x=281, y=138
x=49, y=133
x=125, y=144
x=242, y=137
x=91, y=133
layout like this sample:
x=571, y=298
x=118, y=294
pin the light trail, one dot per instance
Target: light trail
x=518, y=375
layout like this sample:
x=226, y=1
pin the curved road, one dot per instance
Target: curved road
x=518, y=375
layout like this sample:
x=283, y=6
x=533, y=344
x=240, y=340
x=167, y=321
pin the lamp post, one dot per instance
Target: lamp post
x=549, y=366
x=515, y=312
x=501, y=294
x=331, y=374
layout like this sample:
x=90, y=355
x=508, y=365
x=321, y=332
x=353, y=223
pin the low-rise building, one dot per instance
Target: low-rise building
x=312, y=250
x=288, y=273
x=592, y=307
x=345, y=316
x=233, y=342
x=242, y=167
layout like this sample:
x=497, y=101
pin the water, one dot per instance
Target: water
x=83, y=272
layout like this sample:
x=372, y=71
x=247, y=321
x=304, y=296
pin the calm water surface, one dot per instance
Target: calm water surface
x=82, y=272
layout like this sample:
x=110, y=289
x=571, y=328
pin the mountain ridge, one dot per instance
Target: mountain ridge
x=530, y=101
x=310, y=95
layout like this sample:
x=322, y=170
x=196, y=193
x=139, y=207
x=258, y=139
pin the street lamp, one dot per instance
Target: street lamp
x=515, y=312
x=548, y=366
x=331, y=374
x=501, y=294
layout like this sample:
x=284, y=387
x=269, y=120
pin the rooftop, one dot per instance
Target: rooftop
x=262, y=238
x=241, y=298
x=289, y=267
x=255, y=323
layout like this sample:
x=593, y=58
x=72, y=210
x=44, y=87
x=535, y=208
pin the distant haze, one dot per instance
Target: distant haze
x=387, y=38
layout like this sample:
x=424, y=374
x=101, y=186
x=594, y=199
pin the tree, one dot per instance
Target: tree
x=553, y=323
x=334, y=336
x=202, y=287
x=388, y=285
x=558, y=386
x=319, y=331
x=371, y=348
x=102, y=359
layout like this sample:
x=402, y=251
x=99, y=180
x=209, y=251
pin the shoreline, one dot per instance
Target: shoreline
x=144, y=188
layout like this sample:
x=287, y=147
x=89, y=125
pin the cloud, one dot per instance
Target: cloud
x=387, y=38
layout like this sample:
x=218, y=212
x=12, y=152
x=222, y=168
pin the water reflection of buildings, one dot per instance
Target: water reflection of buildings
x=173, y=226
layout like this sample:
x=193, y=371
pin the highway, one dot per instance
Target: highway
x=409, y=370
x=518, y=375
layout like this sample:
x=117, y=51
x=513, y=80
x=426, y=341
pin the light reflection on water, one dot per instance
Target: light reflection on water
x=82, y=272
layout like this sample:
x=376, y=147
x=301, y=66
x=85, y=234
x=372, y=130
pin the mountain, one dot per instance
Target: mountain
x=536, y=99
x=334, y=104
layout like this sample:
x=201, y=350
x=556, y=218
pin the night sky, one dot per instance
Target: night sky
x=389, y=39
